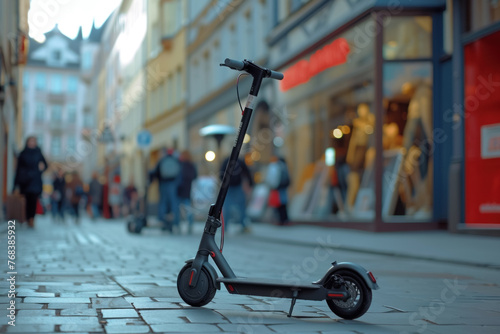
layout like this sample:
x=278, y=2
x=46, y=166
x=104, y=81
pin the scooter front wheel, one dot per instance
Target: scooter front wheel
x=198, y=295
x=360, y=296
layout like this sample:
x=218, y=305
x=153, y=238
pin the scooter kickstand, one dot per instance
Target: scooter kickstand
x=294, y=299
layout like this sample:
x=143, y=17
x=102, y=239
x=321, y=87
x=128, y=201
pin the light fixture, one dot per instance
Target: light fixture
x=210, y=156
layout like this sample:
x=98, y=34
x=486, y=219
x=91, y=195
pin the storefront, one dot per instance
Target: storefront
x=477, y=124
x=364, y=130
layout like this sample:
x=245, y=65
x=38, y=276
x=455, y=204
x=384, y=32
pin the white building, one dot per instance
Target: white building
x=53, y=99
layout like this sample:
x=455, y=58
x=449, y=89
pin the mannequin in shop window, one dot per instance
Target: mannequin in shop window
x=416, y=188
x=359, y=154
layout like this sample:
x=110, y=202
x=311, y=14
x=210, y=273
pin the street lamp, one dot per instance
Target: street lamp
x=217, y=131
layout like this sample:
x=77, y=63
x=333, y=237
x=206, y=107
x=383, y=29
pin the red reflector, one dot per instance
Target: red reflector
x=335, y=295
x=372, y=277
x=191, y=277
x=230, y=288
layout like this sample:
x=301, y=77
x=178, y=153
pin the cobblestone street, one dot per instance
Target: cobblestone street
x=98, y=278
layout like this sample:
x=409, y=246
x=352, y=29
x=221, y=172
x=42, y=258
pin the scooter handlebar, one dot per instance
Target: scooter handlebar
x=247, y=65
x=276, y=75
x=234, y=64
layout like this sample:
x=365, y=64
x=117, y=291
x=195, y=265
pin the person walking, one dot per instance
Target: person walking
x=28, y=180
x=168, y=173
x=278, y=179
x=188, y=175
x=130, y=198
x=57, y=197
x=95, y=193
x=236, y=197
x=75, y=185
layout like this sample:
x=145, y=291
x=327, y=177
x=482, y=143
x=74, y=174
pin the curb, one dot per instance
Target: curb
x=381, y=252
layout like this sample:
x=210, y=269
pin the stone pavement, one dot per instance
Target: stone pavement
x=97, y=278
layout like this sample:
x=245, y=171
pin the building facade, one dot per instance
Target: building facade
x=13, y=53
x=219, y=30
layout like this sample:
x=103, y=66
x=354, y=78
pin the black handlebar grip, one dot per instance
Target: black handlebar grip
x=234, y=64
x=276, y=75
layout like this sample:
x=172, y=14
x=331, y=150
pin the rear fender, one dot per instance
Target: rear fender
x=211, y=271
x=362, y=272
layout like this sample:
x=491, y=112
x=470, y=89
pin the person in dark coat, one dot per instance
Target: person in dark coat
x=75, y=192
x=96, y=195
x=58, y=195
x=30, y=166
x=188, y=175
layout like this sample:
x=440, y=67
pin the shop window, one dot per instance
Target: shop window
x=407, y=140
x=407, y=37
x=331, y=129
x=481, y=13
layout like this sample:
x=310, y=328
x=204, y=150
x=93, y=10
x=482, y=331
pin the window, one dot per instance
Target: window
x=56, y=84
x=40, y=112
x=87, y=120
x=72, y=84
x=56, y=113
x=71, y=144
x=87, y=60
x=56, y=55
x=41, y=81
x=481, y=13
x=407, y=140
x=333, y=131
x=40, y=141
x=71, y=113
x=55, y=146
x=407, y=37
x=26, y=82
x=25, y=112
x=179, y=94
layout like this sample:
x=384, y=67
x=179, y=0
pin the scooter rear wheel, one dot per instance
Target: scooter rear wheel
x=360, y=300
x=199, y=295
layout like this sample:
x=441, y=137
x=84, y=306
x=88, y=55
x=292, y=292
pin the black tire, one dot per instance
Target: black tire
x=360, y=300
x=197, y=296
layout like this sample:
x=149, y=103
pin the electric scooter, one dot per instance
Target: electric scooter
x=346, y=287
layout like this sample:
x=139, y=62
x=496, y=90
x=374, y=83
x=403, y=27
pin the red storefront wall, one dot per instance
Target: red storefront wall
x=482, y=131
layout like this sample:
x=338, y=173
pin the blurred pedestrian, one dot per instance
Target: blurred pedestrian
x=236, y=197
x=188, y=175
x=75, y=186
x=95, y=193
x=130, y=198
x=58, y=194
x=278, y=179
x=30, y=166
x=168, y=173
x=115, y=196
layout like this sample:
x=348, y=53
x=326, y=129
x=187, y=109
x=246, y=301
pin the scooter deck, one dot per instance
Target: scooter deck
x=274, y=288
x=266, y=281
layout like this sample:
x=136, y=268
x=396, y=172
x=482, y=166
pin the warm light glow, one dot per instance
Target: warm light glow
x=345, y=129
x=210, y=156
x=392, y=44
x=337, y=133
x=247, y=138
x=255, y=156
